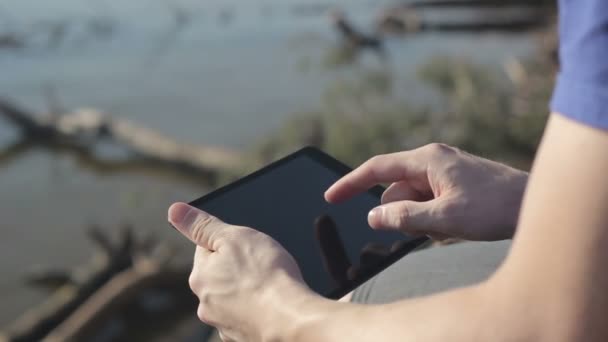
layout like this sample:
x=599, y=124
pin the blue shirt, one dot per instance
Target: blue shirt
x=581, y=91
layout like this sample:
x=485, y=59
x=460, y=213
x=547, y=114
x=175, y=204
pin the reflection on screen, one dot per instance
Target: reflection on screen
x=332, y=243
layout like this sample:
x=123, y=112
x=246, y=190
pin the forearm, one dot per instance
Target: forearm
x=562, y=241
x=418, y=320
x=476, y=313
x=550, y=288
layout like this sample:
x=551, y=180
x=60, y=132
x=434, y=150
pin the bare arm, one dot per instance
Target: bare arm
x=552, y=286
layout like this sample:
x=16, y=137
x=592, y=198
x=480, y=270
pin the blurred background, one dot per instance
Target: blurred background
x=111, y=110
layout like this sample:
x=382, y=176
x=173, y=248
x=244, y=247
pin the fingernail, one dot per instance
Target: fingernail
x=325, y=195
x=375, y=217
x=177, y=213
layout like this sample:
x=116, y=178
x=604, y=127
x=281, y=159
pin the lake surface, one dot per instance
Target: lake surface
x=231, y=72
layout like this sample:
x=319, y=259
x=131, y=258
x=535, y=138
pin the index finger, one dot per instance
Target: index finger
x=379, y=169
x=198, y=226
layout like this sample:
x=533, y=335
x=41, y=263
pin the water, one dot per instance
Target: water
x=230, y=74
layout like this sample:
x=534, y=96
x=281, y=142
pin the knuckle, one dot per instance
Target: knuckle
x=205, y=309
x=200, y=223
x=374, y=161
x=398, y=217
x=193, y=281
x=372, y=165
x=202, y=314
x=402, y=218
x=439, y=148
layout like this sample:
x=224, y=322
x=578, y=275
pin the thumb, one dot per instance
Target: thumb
x=406, y=216
x=198, y=226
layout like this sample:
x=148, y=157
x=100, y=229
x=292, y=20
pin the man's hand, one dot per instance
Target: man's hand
x=440, y=191
x=238, y=274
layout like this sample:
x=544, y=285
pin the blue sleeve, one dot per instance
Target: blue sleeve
x=581, y=92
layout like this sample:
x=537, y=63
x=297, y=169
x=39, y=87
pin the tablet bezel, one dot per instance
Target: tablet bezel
x=341, y=169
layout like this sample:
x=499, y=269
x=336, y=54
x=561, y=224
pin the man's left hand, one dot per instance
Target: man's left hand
x=240, y=276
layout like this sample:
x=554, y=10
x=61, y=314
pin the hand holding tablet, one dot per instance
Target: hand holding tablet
x=332, y=244
x=254, y=272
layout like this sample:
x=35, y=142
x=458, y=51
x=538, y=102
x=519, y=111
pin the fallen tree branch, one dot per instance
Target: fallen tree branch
x=110, y=259
x=407, y=21
x=84, y=129
x=479, y=3
x=114, y=296
x=9, y=153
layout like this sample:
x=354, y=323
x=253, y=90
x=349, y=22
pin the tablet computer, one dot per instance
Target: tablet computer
x=333, y=244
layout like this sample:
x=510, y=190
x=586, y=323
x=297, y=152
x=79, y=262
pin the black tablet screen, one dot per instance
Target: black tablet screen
x=333, y=244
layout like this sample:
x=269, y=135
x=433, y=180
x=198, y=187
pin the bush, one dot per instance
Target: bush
x=486, y=112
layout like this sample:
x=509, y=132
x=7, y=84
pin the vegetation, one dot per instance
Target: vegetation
x=495, y=114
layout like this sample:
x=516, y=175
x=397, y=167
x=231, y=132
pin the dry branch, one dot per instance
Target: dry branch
x=84, y=129
x=479, y=3
x=111, y=259
x=113, y=297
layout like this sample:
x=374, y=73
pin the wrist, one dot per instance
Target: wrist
x=295, y=311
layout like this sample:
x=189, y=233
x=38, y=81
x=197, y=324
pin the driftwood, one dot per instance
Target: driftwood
x=407, y=20
x=78, y=285
x=515, y=25
x=479, y=3
x=115, y=295
x=82, y=130
x=9, y=153
x=98, y=290
x=88, y=161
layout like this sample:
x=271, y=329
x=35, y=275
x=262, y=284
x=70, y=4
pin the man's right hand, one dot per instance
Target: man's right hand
x=439, y=191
